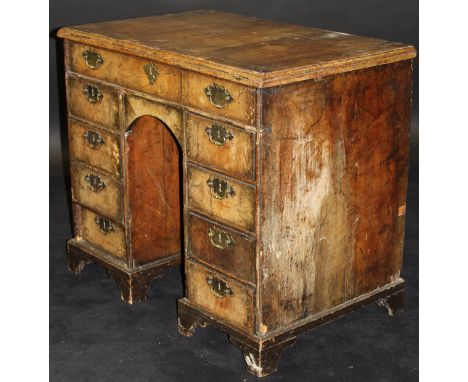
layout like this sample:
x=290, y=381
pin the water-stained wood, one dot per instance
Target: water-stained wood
x=153, y=190
x=334, y=161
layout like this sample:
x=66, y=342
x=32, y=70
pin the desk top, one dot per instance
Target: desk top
x=243, y=49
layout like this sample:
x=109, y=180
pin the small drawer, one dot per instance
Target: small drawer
x=102, y=233
x=220, y=97
x=94, y=147
x=220, y=146
x=220, y=295
x=93, y=102
x=146, y=76
x=222, y=248
x=96, y=191
x=223, y=198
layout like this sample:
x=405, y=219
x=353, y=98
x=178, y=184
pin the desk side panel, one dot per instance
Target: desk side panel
x=333, y=187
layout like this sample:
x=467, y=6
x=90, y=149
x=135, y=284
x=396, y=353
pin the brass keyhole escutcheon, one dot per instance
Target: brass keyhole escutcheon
x=93, y=139
x=219, y=287
x=219, y=135
x=220, y=238
x=218, y=95
x=105, y=225
x=151, y=72
x=94, y=182
x=92, y=93
x=93, y=59
x=220, y=188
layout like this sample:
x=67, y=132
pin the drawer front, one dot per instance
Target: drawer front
x=103, y=233
x=223, y=198
x=96, y=191
x=220, y=97
x=221, y=146
x=146, y=76
x=95, y=147
x=220, y=296
x=222, y=248
x=93, y=102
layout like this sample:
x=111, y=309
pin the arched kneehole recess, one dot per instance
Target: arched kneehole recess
x=153, y=190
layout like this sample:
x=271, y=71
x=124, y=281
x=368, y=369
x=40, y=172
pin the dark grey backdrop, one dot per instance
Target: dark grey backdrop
x=96, y=337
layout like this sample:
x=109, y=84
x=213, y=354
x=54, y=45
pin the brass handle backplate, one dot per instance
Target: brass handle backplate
x=220, y=238
x=220, y=189
x=93, y=59
x=92, y=93
x=219, y=287
x=218, y=96
x=105, y=225
x=93, y=139
x=95, y=182
x=152, y=72
x=219, y=135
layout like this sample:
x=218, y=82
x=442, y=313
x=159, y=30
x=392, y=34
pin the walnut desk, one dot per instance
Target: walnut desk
x=292, y=145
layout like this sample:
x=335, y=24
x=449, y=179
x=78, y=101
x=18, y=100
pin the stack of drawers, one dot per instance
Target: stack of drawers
x=283, y=157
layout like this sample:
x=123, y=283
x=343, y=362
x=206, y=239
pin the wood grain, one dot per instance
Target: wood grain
x=236, y=309
x=106, y=156
x=330, y=221
x=235, y=157
x=237, y=211
x=104, y=112
x=107, y=201
x=136, y=107
x=256, y=52
x=237, y=260
x=128, y=71
x=153, y=190
x=112, y=242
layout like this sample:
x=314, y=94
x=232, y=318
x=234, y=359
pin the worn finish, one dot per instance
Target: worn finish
x=343, y=152
x=153, y=190
x=236, y=308
x=237, y=210
x=107, y=201
x=128, y=71
x=233, y=156
x=104, y=112
x=242, y=104
x=136, y=107
x=104, y=156
x=293, y=146
x=243, y=49
x=237, y=259
x=112, y=242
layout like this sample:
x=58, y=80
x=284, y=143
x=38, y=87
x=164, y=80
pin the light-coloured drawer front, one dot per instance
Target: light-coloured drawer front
x=94, y=147
x=96, y=191
x=222, y=248
x=223, y=198
x=147, y=76
x=220, y=97
x=220, y=296
x=103, y=233
x=221, y=146
x=93, y=102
